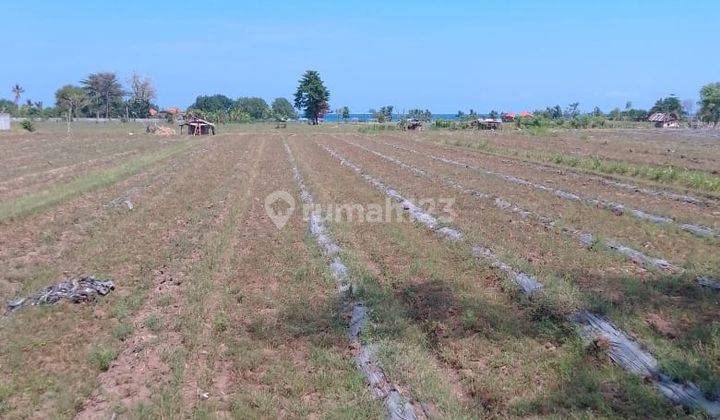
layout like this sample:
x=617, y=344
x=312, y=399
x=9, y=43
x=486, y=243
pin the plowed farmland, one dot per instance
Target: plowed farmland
x=339, y=272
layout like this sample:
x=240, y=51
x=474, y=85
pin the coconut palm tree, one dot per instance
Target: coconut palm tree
x=17, y=90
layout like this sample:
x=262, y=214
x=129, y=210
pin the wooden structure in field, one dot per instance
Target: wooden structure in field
x=486, y=124
x=198, y=127
x=665, y=120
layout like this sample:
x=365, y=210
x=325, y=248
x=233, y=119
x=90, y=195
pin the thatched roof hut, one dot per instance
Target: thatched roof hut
x=197, y=127
x=665, y=119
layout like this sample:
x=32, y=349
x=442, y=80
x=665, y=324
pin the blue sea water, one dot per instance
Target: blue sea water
x=396, y=117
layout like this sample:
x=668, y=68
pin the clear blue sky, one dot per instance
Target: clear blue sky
x=442, y=55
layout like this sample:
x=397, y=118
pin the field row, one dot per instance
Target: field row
x=219, y=312
x=632, y=315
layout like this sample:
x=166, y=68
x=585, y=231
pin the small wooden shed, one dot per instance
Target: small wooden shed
x=665, y=120
x=486, y=124
x=198, y=127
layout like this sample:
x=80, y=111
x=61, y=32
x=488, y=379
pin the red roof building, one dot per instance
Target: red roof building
x=508, y=117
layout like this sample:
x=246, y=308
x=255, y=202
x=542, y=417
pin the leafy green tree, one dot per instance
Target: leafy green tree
x=104, y=91
x=212, y=103
x=420, y=115
x=257, y=108
x=138, y=108
x=240, y=116
x=31, y=109
x=312, y=96
x=70, y=100
x=345, y=113
x=572, y=110
x=636, y=114
x=283, y=109
x=710, y=103
x=387, y=111
x=493, y=114
x=670, y=104
x=7, y=106
x=556, y=112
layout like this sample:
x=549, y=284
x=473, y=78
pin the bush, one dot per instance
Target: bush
x=28, y=125
x=123, y=331
x=102, y=357
x=445, y=124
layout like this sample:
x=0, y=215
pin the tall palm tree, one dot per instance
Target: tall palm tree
x=17, y=90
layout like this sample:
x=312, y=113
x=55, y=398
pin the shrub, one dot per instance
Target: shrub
x=28, y=125
x=102, y=357
x=445, y=124
x=221, y=322
x=153, y=323
x=123, y=331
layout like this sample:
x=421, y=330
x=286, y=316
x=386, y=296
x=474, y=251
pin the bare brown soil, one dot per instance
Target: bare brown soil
x=219, y=313
x=695, y=149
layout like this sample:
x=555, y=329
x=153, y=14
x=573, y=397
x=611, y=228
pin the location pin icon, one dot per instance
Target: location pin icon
x=277, y=213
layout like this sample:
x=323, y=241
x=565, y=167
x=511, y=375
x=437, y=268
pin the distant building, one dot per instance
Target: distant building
x=511, y=116
x=508, y=117
x=4, y=122
x=665, y=120
x=171, y=113
x=198, y=127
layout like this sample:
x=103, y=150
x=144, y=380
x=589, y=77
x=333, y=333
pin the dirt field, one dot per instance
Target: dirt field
x=217, y=312
x=683, y=158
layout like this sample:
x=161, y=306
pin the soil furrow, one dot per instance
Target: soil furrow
x=585, y=238
x=398, y=407
x=623, y=350
x=617, y=208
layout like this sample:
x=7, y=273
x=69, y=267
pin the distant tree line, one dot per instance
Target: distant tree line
x=103, y=95
x=98, y=95
x=311, y=97
x=221, y=109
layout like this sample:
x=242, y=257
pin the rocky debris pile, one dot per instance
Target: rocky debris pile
x=75, y=290
x=160, y=130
